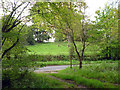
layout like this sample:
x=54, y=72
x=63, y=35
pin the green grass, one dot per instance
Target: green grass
x=34, y=80
x=74, y=62
x=93, y=75
x=49, y=49
x=59, y=48
x=43, y=81
x=57, y=62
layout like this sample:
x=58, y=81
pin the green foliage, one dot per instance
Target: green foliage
x=59, y=36
x=64, y=19
x=30, y=38
x=99, y=71
x=41, y=36
x=13, y=39
x=16, y=71
x=60, y=51
x=27, y=37
x=32, y=80
x=107, y=25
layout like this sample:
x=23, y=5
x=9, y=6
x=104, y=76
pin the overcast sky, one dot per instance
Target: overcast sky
x=94, y=5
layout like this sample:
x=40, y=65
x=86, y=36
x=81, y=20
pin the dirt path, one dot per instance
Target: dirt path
x=68, y=81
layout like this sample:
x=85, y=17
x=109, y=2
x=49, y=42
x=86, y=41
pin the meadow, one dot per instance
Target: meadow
x=59, y=48
x=57, y=53
x=56, y=48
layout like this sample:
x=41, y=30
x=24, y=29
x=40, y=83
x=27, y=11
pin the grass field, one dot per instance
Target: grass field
x=59, y=48
x=102, y=75
x=49, y=49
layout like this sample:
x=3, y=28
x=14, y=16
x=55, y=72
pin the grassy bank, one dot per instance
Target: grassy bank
x=59, y=48
x=102, y=75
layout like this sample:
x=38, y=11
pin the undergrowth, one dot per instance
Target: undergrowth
x=102, y=75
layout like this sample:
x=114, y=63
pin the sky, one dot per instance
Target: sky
x=93, y=5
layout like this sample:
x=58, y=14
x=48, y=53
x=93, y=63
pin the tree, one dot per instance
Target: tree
x=51, y=15
x=11, y=28
x=28, y=35
x=63, y=17
x=107, y=23
x=83, y=26
x=59, y=37
x=41, y=36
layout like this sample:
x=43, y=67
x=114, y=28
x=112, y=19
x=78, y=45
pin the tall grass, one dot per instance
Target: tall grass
x=33, y=80
x=93, y=75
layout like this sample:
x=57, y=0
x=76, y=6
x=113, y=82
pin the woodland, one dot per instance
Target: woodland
x=92, y=46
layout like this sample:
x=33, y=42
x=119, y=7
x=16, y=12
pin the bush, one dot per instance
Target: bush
x=30, y=39
x=45, y=58
x=14, y=72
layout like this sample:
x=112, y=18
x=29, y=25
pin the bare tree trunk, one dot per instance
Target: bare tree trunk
x=80, y=66
x=83, y=49
x=78, y=54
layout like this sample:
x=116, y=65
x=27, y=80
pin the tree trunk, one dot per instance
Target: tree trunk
x=80, y=64
x=83, y=50
x=107, y=52
x=70, y=48
x=70, y=42
x=80, y=59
